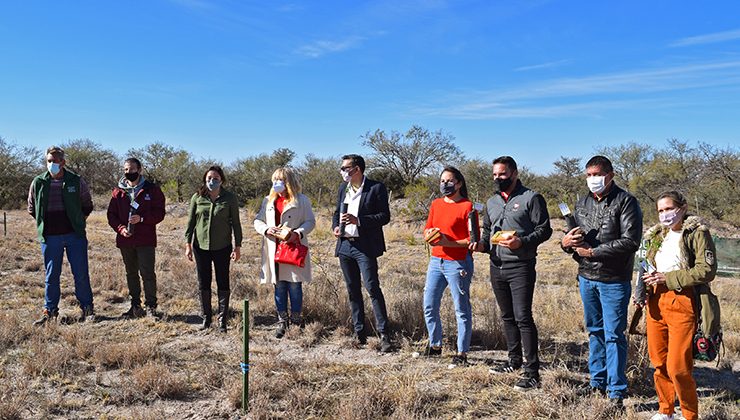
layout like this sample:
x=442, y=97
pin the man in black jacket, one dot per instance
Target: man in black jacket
x=515, y=208
x=604, y=244
x=360, y=241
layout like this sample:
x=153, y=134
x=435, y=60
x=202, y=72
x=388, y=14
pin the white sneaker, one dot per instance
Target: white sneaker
x=661, y=416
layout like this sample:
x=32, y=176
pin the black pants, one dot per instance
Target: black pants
x=140, y=260
x=513, y=286
x=219, y=260
x=358, y=268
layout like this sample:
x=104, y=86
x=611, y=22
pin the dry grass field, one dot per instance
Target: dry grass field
x=146, y=369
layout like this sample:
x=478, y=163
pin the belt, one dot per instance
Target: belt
x=352, y=239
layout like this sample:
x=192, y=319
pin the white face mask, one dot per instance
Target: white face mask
x=596, y=184
x=278, y=186
x=345, y=175
x=54, y=168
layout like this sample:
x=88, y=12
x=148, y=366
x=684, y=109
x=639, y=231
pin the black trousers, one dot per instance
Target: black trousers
x=137, y=260
x=206, y=261
x=513, y=286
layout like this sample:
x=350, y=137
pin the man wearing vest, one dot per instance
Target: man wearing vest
x=135, y=208
x=60, y=201
x=521, y=217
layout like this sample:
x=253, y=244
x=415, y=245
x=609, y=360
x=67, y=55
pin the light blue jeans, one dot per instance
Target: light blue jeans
x=458, y=275
x=605, y=313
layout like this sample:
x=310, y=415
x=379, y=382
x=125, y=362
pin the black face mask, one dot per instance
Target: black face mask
x=131, y=176
x=447, y=188
x=503, y=184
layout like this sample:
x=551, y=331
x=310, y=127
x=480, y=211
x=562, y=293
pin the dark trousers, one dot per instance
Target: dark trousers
x=513, y=286
x=140, y=260
x=206, y=261
x=358, y=268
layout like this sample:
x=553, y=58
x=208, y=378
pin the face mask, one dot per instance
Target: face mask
x=447, y=188
x=503, y=184
x=54, y=168
x=596, y=184
x=278, y=186
x=212, y=184
x=131, y=176
x=345, y=175
x=669, y=218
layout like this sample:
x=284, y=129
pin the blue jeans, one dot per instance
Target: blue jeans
x=458, y=275
x=605, y=312
x=283, y=289
x=359, y=268
x=53, y=251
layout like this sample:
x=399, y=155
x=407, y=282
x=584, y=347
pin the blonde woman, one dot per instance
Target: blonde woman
x=285, y=206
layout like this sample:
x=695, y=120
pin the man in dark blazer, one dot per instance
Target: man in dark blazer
x=360, y=241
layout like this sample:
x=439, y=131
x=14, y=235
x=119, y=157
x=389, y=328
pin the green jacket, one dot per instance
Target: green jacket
x=213, y=221
x=70, y=195
x=698, y=266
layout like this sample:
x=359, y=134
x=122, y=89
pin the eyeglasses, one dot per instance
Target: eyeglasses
x=346, y=168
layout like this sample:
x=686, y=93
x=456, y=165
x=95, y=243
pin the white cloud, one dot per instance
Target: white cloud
x=707, y=38
x=584, y=95
x=318, y=49
x=547, y=65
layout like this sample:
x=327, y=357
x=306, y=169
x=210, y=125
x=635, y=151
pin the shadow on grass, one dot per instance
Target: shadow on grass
x=186, y=319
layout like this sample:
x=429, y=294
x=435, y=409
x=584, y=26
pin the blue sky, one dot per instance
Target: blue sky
x=229, y=79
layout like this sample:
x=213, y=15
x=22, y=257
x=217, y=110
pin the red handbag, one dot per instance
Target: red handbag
x=293, y=253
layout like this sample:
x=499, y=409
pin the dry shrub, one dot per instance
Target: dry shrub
x=126, y=355
x=306, y=337
x=48, y=359
x=638, y=370
x=13, y=330
x=14, y=399
x=487, y=326
x=157, y=379
x=558, y=311
x=372, y=400
x=406, y=313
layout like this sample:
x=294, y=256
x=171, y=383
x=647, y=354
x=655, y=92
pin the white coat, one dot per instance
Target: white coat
x=297, y=216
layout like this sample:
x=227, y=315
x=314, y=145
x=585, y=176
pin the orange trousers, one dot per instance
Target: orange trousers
x=671, y=324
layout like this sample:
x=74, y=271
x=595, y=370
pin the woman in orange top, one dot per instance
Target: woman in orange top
x=451, y=264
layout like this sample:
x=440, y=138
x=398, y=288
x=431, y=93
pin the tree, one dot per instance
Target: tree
x=98, y=166
x=174, y=169
x=251, y=177
x=320, y=179
x=412, y=154
x=18, y=165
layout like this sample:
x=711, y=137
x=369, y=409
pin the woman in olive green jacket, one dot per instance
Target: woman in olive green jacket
x=214, y=215
x=682, y=257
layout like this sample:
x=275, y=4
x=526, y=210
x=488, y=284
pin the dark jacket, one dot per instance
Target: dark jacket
x=73, y=205
x=613, y=228
x=373, y=214
x=526, y=213
x=151, y=207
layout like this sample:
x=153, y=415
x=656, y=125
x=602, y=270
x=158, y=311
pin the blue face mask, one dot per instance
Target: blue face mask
x=278, y=186
x=213, y=184
x=54, y=168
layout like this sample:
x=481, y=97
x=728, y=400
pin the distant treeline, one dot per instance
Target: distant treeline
x=409, y=163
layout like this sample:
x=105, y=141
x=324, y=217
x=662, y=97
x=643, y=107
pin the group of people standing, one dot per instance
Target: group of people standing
x=607, y=233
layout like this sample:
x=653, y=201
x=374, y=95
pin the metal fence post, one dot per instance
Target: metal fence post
x=245, y=357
